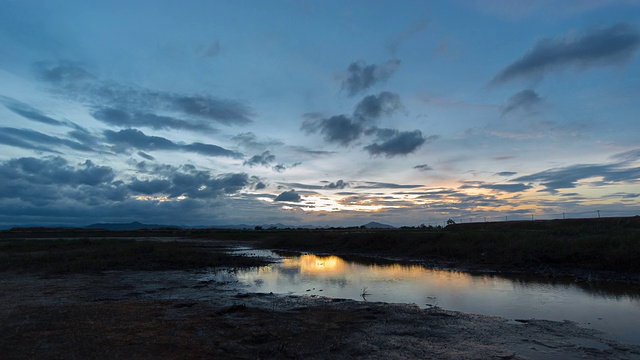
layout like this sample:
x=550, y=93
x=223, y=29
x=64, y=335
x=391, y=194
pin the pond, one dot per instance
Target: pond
x=613, y=308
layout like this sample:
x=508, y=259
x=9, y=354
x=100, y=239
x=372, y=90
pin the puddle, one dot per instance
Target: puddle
x=613, y=308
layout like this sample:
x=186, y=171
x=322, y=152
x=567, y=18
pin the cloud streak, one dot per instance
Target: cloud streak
x=125, y=140
x=601, y=47
x=526, y=100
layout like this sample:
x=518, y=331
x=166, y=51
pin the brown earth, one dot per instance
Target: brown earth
x=185, y=315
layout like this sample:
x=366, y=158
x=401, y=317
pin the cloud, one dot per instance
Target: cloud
x=601, y=47
x=221, y=110
x=56, y=171
x=315, y=153
x=145, y=155
x=526, y=100
x=210, y=51
x=122, y=118
x=124, y=140
x=506, y=173
x=339, y=129
x=373, y=107
x=362, y=76
x=29, y=112
x=398, y=40
x=250, y=140
x=344, y=129
x=423, y=167
x=568, y=177
x=282, y=167
x=289, y=196
x=34, y=140
x=511, y=188
x=264, y=159
x=52, y=190
x=631, y=155
x=381, y=185
x=394, y=142
x=340, y=184
x=64, y=73
x=79, y=84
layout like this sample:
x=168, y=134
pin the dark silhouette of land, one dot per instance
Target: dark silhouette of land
x=96, y=293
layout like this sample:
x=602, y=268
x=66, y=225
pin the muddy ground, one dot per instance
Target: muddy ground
x=185, y=315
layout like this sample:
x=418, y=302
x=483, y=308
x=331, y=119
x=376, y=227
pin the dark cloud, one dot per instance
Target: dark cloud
x=29, y=112
x=279, y=168
x=221, y=110
x=373, y=107
x=506, y=173
x=511, y=188
x=339, y=129
x=305, y=150
x=81, y=85
x=289, y=196
x=50, y=189
x=264, y=159
x=260, y=185
x=423, y=167
x=526, y=100
x=340, y=184
x=396, y=142
x=145, y=155
x=121, y=118
x=568, y=177
x=56, y=171
x=31, y=139
x=302, y=186
x=14, y=141
x=124, y=140
x=380, y=185
x=600, y=47
x=362, y=76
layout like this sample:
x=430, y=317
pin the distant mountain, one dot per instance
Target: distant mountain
x=377, y=225
x=128, y=226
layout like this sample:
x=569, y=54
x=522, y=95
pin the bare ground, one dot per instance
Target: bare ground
x=178, y=315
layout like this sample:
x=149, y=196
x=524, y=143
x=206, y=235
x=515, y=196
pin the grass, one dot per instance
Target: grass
x=86, y=255
x=591, y=245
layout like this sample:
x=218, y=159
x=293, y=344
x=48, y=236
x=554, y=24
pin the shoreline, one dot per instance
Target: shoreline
x=173, y=314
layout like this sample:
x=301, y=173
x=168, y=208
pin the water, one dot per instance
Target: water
x=613, y=308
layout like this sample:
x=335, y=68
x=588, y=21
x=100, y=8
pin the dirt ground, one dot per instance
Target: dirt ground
x=178, y=315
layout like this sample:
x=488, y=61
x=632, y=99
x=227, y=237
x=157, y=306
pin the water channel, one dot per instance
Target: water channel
x=613, y=308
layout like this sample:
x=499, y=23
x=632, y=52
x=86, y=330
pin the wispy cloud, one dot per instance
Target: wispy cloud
x=527, y=100
x=77, y=82
x=125, y=140
x=600, y=47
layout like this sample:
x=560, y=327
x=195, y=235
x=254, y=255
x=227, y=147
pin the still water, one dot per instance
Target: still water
x=614, y=308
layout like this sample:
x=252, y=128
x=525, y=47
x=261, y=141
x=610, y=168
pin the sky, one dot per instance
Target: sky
x=323, y=113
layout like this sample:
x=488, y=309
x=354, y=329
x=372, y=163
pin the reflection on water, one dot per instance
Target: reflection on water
x=614, y=308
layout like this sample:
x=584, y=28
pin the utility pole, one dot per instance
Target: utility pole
x=598, y=213
x=531, y=217
x=562, y=216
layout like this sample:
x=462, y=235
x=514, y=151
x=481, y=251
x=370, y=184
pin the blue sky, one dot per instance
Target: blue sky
x=317, y=112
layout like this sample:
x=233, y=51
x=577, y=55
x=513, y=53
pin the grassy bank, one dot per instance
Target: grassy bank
x=86, y=255
x=586, y=244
